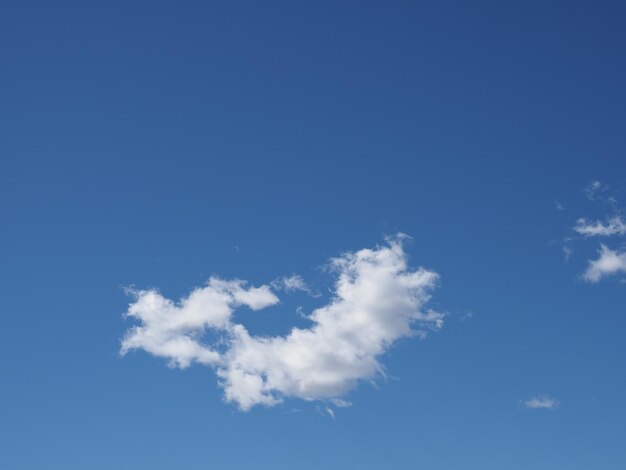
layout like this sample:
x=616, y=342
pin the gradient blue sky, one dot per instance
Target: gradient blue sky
x=156, y=143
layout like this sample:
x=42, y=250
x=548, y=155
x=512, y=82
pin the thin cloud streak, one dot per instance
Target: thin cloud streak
x=614, y=226
x=542, y=403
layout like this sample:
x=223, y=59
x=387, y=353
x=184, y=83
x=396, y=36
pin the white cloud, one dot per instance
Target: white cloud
x=542, y=402
x=173, y=331
x=339, y=403
x=609, y=262
x=593, y=188
x=290, y=283
x=567, y=252
x=615, y=226
x=377, y=300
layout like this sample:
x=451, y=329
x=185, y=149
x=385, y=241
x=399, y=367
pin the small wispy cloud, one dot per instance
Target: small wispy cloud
x=542, y=402
x=614, y=226
x=567, y=247
x=609, y=262
x=593, y=189
x=567, y=252
x=466, y=316
x=339, y=403
x=558, y=206
x=292, y=283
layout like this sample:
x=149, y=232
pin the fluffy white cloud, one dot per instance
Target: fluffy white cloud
x=609, y=262
x=174, y=331
x=542, y=402
x=377, y=300
x=615, y=226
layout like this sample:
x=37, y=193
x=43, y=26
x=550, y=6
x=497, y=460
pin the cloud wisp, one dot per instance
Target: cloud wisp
x=377, y=299
x=609, y=262
x=292, y=283
x=614, y=226
x=594, y=189
x=542, y=403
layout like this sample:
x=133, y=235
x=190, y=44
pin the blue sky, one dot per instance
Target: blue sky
x=154, y=145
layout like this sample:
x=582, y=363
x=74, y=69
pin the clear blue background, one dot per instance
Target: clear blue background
x=155, y=143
